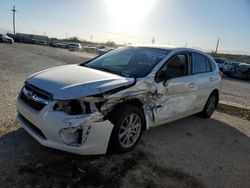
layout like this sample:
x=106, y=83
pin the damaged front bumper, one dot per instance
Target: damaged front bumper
x=81, y=134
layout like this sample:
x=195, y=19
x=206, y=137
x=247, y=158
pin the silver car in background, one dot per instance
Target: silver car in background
x=74, y=46
x=110, y=100
x=6, y=39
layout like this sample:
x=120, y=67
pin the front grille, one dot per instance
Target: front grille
x=35, y=104
x=32, y=126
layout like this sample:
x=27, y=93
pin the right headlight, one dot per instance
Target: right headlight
x=72, y=107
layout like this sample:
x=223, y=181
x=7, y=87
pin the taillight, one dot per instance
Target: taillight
x=221, y=74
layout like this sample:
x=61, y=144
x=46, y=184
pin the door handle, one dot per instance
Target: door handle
x=191, y=85
x=211, y=79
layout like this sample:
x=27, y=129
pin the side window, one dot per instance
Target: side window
x=208, y=65
x=176, y=66
x=200, y=64
x=212, y=65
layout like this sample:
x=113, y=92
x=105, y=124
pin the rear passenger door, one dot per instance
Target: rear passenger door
x=202, y=71
x=178, y=93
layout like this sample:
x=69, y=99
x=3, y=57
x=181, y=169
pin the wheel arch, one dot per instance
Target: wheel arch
x=134, y=102
x=216, y=93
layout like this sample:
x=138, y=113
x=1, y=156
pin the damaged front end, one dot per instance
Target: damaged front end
x=85, y=112
x=81, y=115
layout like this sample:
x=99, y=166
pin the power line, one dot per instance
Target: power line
x=84, y=27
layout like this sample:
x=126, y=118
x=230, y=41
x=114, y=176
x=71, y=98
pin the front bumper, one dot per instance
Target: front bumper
x=46, y=125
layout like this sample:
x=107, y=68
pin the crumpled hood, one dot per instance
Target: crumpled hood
x=74, y=81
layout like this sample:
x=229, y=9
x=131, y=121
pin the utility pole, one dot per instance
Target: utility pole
x=91, y=37
x=153, y=40
x=217, y=45
x=14, y=12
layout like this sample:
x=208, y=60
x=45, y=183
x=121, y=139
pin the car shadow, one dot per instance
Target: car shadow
x=191, y=151
x=215, y=152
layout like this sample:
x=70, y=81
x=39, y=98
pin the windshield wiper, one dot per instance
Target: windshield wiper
x=83, y=65
x=107, y=70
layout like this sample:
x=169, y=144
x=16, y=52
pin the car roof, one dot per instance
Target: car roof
x=166, y=47
x=170, y=47
x=73, y=43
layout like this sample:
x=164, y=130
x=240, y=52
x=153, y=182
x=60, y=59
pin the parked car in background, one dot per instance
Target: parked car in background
x=6, y=39
x=111, y=99
x=41, y=42
x=60, y=44
x=92, y=48
x=242, y=71
x=74, y=46
x=104, y=50
x=33, y=41
x=229, y=67
x=220, y=63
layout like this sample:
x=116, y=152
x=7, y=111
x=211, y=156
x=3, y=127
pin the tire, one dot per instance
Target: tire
x=125, y=136
x=210, y=106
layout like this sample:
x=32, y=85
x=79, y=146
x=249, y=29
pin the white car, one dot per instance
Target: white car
x=110, y=100
x=74, y=46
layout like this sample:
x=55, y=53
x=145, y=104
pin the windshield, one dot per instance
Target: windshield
x=129, y=61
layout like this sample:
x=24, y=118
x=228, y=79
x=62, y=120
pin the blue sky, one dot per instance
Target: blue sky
x=198, y=23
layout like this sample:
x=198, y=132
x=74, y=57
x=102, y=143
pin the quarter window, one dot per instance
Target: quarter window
x=200, y=64
x=212, y=65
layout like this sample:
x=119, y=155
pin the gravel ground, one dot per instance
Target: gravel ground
x=191, y=152
x=235, y=91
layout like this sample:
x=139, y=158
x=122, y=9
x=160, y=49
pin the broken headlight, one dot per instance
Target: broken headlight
x=72, y=107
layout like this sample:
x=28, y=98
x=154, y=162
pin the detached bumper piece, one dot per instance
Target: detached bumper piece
x=75, y=136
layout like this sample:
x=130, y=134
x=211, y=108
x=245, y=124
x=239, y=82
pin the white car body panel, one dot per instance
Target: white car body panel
x=162, y=102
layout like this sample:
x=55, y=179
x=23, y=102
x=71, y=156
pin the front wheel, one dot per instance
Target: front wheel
x=128, y=123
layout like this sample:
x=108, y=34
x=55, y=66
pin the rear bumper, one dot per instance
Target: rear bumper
x=47, y=127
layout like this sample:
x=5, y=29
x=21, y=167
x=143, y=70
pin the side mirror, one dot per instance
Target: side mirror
x=163, y=76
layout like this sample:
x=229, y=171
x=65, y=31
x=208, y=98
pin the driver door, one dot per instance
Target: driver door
x=177, y=89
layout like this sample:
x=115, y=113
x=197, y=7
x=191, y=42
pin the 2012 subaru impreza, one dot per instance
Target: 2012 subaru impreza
x=110, y=100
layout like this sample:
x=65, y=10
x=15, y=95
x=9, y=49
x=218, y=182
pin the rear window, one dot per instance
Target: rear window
x=200, y=64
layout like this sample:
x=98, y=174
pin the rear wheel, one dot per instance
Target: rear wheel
x=210, y=106
x=128, y=123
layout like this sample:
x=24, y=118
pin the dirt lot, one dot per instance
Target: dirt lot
x=191, y=152
x=236, y=91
